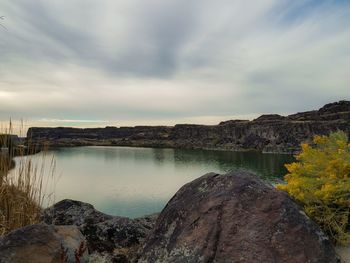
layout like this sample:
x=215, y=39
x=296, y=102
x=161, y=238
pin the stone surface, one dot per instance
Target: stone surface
x=42, y=243
x=235, y=218
x=120, y=236
x=268, y=133
x=344, y=253
x=71, y=212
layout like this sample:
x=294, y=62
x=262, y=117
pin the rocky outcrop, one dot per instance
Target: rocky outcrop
x=268, y=133
x=43, y=243
x=234, y=218
x=71, y=212
x=119, y=237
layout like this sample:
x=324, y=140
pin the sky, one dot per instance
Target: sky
x=93, y=63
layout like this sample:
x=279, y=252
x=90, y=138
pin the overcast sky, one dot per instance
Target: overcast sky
x=112, y=62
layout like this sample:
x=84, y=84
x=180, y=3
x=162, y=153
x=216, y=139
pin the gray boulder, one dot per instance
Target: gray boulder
x=120, y=236
x=235, y=218
x=71, y=212
x=43, y=243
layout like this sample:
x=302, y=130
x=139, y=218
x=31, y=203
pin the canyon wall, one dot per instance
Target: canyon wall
x=268, y=133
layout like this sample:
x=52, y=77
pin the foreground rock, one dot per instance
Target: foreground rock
x=216, y=218
x=43, y=244
x=268, y=133
x=234, y=218
x=117, y=236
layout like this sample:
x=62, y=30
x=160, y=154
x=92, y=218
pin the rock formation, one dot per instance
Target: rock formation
x=234, y=218
x=268, y=133
x=216, y=218
x=119, y=237
x=43, y=243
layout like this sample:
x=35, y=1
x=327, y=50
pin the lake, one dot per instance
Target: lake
x=134, y=182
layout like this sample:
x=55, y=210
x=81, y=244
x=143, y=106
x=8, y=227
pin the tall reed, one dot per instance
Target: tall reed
x=23, y=182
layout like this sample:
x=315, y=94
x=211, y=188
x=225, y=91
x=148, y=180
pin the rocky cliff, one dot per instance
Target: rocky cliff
x=268, y=133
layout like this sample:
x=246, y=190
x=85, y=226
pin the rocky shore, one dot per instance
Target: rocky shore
x=268, y=133
x=234, y=217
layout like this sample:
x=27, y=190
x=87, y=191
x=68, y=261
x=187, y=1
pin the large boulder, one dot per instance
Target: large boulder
x=71, y=212
x=120, y=236
x=43, y=243
x=235, y=218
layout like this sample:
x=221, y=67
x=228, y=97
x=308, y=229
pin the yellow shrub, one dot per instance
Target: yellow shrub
x=320, y=180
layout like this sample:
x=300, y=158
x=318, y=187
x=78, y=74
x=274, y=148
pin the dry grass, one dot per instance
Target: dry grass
x=22, y=191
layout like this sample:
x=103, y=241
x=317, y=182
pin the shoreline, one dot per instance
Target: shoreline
x=168, y=148
x=270, y=133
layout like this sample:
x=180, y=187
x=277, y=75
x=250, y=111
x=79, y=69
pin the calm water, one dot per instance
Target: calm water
x=137, y=181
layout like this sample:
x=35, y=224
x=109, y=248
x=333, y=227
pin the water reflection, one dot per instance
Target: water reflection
x=137, y=181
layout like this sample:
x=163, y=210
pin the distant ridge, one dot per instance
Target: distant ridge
x=267, y=133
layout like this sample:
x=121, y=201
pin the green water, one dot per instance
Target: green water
x=137, y=181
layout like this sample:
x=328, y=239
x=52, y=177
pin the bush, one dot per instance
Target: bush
x=320, y=180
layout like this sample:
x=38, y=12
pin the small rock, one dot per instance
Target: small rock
x=43, y=243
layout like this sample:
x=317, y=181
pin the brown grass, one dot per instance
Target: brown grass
x=22, y=191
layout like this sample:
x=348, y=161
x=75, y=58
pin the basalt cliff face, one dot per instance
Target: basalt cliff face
x=268, y=133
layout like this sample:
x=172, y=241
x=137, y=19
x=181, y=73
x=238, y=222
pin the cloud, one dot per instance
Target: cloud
x=166, y=61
